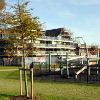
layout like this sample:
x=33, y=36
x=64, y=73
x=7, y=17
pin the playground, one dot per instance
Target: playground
x=77, y=69
x=69, y=69
x=82, y=78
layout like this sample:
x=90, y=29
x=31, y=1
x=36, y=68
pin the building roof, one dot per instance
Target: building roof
x=54, y=32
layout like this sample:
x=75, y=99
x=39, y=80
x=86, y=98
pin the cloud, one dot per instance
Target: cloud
x=66, y=14
x=82, y=16
x=85, y=2
x=75, y=9
x=90, y=35
x=36, y=0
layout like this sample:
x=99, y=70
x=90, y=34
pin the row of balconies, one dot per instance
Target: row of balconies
x=55, y=39
x=52, y=52
x=39, y=52
x=54, y=45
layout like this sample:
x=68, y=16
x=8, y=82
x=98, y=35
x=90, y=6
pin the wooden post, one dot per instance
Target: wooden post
x=20, y=82
x=26, y=89
x=32, y=93
x=26, y=86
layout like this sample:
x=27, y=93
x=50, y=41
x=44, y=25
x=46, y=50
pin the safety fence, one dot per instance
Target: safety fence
x=80, y=74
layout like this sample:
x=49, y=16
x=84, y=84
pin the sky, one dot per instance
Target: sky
x=81, y=17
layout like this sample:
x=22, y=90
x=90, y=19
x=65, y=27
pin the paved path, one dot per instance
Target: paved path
x=9, y=69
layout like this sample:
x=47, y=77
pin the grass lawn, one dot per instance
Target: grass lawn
x=9, y=86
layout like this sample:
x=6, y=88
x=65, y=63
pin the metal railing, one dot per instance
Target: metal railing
x=55, y=38
x=54, y=45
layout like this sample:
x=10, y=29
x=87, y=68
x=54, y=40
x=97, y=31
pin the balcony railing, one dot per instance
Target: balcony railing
x=56, y=38
x=54, y=45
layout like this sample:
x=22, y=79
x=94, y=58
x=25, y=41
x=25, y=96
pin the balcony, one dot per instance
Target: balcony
x=55, y=39
x=53, y=46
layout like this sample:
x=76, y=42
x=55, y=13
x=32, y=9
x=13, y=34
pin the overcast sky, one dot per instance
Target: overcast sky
x=82, y=17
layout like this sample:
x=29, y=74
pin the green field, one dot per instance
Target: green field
x=9, y=86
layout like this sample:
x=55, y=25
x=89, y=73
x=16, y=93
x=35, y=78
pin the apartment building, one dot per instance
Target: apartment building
x=56, y=41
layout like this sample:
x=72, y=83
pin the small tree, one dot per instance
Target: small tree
x=22, y=30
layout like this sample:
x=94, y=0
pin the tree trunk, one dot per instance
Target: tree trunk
x=25, y=74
